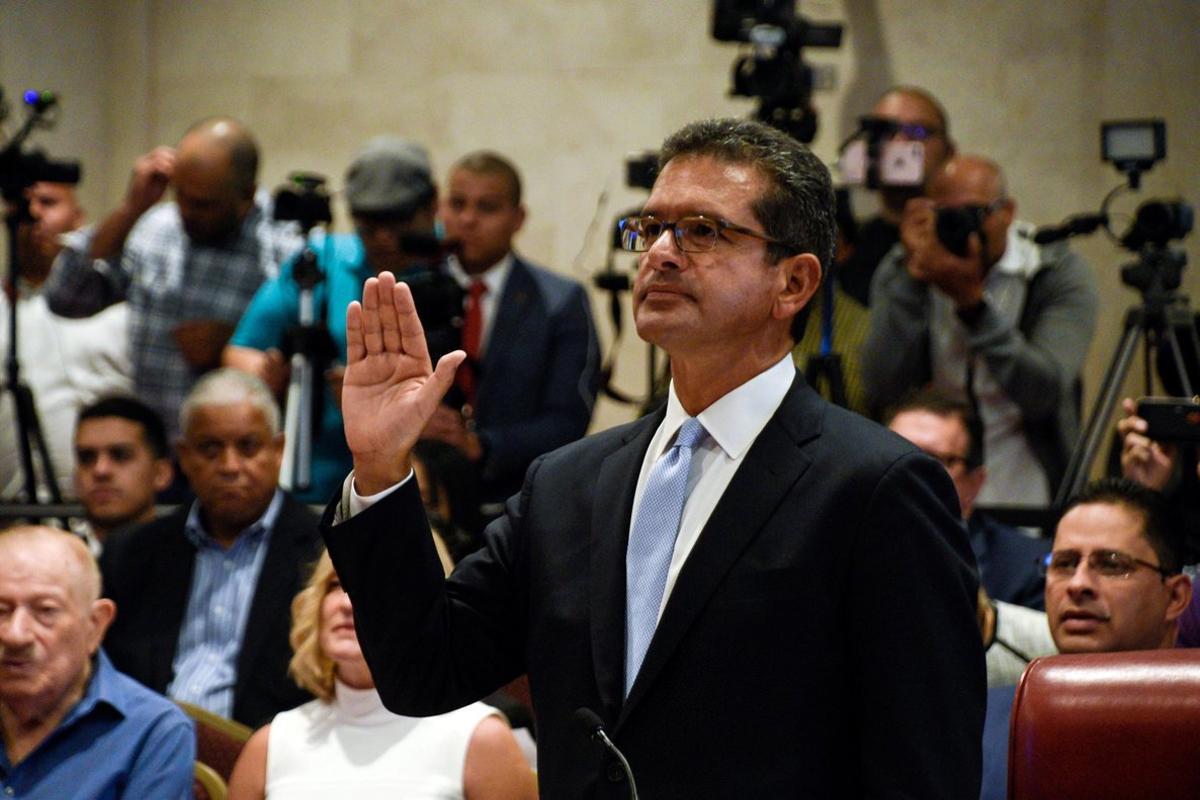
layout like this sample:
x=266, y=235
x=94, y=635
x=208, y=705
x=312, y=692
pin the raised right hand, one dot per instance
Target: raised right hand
x=390, y=389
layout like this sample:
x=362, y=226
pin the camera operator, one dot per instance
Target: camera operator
x=66, y=363
x=188, y=268
x=390, y=191
x=968, y=303
x=912, y=115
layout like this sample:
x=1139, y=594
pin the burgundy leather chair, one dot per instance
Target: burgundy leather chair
x=1110, y=725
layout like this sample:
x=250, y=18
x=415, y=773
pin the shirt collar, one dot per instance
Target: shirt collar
x=493, y=277
x=103, y=687
x=197, y=535
x=735, y=419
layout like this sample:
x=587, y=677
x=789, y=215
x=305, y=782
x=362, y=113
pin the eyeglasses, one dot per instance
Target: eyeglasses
x=695, y=234
x=975, y=210
x=889, y=128
x=1062, y=564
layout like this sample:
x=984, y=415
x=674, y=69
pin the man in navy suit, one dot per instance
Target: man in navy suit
x=776, y=602
x=533, y=360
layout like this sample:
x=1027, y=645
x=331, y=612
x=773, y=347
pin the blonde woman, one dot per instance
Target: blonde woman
x=345, y=743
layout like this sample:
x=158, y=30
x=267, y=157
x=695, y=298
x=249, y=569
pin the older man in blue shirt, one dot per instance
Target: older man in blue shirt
x=71, y=725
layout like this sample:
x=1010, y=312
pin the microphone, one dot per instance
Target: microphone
x=1081, y=223
x=594, y=726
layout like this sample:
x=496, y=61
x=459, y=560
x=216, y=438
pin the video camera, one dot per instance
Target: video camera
x=774, y=71
x=19, y=170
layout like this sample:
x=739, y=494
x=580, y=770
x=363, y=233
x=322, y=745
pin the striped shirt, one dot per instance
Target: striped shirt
x=223, y=584
x=168, y=279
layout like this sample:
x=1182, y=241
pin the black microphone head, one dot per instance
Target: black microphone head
x=589, y=719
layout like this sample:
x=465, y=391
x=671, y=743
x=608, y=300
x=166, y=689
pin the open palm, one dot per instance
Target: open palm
x=390, y=389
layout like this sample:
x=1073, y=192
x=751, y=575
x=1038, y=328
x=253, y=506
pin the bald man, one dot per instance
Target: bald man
x=188, y=267
x=968, y=303
x=70, y=724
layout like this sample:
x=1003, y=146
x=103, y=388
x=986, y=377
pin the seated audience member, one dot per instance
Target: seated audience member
x=391, y=194
x=947, y=430
x=1113, y=583
x=1173, y=469
x=188, y=268
x=532, y=370
x=346, y=743
x=121, y=461
x=71, y=725
x=66, y=363
x=204, y=591
x=1004, y=324
x=1012, y=637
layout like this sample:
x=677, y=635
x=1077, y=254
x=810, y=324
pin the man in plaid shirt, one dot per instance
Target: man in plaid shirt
x=188, y=268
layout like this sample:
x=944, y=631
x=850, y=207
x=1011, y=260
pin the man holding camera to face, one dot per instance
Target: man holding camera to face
x=968, y=303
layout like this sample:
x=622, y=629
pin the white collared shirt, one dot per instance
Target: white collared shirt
x=494, y=277
x=733, y=423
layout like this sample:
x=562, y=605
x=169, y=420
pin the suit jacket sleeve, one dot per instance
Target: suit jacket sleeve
x=433, y=644
x=918, y=654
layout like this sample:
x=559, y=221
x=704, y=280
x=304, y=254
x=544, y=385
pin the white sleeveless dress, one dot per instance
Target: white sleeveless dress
x=354, y=747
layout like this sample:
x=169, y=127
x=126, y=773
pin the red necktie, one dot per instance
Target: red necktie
x=472, y=338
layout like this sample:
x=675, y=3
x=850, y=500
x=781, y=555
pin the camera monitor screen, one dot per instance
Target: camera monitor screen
x=1143, y=140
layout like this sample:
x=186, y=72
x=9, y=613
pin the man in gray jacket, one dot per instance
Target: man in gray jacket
x=968, y=303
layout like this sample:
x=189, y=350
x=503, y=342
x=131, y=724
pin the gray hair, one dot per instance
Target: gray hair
x=798, y=207
x=227, y=387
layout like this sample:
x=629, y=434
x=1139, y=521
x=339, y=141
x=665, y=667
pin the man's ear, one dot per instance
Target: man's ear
x=1179, y=588
x=164, y=473
x=802, y=278
x=102, y=613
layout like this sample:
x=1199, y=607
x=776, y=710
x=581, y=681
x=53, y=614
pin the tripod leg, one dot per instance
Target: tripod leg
x=1098, y=421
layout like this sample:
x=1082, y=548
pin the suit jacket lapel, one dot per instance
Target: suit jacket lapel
x=771, y=468
x=611, y=513
x=173, y=587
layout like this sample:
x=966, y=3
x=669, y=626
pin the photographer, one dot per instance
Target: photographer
x=391, y=195
x=966, y=302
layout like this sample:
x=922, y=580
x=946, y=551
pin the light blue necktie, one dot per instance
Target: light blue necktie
x=651, y=543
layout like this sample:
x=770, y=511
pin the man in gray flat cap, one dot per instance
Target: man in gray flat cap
x=392, y=197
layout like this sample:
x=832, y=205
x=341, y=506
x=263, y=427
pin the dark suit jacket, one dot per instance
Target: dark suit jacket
x=148, y=573
x=539, y=376
x=819, y=642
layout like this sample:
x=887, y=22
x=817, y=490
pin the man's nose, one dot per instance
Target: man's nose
x=15, y=630
x=664, y=252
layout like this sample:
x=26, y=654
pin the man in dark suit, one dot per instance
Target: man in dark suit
x=531, y=376
x=777, y=602
x=205, y=592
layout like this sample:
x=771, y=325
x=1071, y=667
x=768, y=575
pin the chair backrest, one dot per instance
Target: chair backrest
x=1107, y=725
x=218, y=740
x=207, y=784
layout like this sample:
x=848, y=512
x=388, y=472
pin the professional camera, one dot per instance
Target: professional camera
x=774, y=71
x=954, y=227
x=303, y=199
x=20, y=170
x=1158, y=222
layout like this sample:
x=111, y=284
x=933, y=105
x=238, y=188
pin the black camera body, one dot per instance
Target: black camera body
x=954, y=227
x=303, y=199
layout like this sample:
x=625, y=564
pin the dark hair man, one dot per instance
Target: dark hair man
x=71, y=725
x=950, y=432
x=533, y=357
x=1113, y=583
x=64, y=362
x=1004, y=325
x=699, y=570
x=188, y=268
x=204, y=592
x=121, y=462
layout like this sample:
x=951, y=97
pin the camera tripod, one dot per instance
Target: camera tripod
x=1162, y=320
